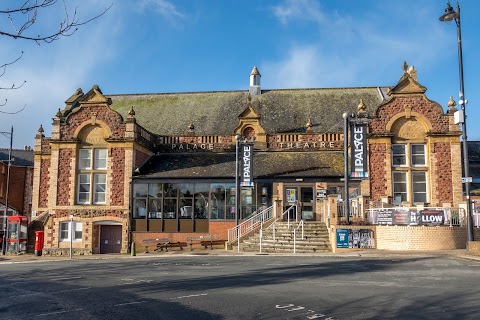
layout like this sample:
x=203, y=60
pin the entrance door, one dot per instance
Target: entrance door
x=306, y=203
x=110, y=239
x=303, y=197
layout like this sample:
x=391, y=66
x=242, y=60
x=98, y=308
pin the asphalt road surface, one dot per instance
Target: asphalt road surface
x=242, y=287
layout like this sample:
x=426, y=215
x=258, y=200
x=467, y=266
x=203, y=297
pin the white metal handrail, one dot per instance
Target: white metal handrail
x=250, y=224
x=272, y=225
x=295, y=236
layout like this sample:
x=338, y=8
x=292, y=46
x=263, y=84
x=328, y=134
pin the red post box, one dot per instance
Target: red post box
x=38, y=242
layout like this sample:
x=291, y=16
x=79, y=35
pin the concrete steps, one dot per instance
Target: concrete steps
x=315, y=239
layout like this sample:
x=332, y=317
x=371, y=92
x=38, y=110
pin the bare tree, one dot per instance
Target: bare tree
x=22, y=18
x=25, y=15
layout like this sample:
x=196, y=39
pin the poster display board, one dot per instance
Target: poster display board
x=355, y=238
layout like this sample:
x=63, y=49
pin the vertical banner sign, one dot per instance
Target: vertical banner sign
x=246, y=174
x=359, y=150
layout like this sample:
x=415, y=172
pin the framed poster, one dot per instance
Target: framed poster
x=291, y=195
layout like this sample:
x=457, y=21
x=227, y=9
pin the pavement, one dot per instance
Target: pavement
x=31, y=258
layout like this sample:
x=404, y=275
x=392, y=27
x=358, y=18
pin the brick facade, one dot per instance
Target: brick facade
x=64, y=177
x=86, y=122
x=117, y=180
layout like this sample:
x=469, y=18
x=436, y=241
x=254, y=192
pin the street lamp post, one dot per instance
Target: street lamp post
x=449, y=15
x=4, y=237
x=237, y=193
x=346, y=200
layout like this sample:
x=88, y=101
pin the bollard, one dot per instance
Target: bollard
x=133, y=252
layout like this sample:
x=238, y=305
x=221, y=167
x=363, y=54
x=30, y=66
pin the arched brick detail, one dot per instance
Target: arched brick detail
x=419, y=105
x=101, y=114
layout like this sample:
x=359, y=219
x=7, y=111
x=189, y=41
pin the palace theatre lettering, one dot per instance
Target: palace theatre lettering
x=276, y=145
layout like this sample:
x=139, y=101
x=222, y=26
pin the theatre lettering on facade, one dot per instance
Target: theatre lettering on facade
x=126, y=168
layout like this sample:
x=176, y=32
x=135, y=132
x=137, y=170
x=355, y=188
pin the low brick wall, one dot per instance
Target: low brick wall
x=420, y=238
x=56, y=252
x=411, y=238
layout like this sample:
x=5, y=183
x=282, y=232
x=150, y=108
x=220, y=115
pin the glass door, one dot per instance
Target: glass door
x=307, y=203
x=302, y=196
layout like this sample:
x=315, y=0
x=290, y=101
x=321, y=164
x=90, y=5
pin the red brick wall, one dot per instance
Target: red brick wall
x=20, y=187
x=117, y=176
x=432, y=111
x=444, y=192
x=28, y=191
x=64, y=176
x=44, y=183
x=377, y=155
x=220, y=228
x=111, y=118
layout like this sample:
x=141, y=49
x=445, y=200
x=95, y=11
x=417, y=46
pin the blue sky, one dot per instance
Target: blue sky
x=152, y=46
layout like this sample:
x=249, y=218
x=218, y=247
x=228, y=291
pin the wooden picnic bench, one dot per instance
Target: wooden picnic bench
x=200, y=240
x=167, y=245
x=212, y=243
x=154, y=242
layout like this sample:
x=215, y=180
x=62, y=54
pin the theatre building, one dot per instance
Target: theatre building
x=119, y=169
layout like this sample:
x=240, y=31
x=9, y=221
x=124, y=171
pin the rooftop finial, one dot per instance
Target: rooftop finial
x=405, y=66
x=131, y=113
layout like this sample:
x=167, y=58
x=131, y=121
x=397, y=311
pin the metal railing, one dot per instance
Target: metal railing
x=272, y=225
x=295, y=236
x=410, y=216
x=247, y=226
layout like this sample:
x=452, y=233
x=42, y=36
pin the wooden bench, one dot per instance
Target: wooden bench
x=154, y=242
x=167, y=245
x=212, y=243
x=200, y=240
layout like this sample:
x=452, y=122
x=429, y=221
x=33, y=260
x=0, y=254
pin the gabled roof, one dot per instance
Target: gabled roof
x=217, y=113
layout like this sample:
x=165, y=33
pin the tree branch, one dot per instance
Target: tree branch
x=67, y=27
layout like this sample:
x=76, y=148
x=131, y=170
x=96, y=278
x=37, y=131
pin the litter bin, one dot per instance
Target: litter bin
x=38, y=242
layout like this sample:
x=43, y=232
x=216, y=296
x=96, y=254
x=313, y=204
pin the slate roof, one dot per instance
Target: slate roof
x=266, y=165
x=216, y=113
x=22, y=158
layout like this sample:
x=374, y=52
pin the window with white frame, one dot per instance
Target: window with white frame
x=66, y=229
x=409, y=172
x=92, y=176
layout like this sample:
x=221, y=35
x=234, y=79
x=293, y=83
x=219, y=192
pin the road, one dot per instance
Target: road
x=243, y=287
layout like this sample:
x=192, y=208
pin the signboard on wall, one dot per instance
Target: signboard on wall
x=355, y=238
x=358, y=142
x=246, y=171
x=410, y=217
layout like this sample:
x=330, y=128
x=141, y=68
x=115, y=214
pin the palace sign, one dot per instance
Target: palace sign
x=359, y=151
x=246, y=173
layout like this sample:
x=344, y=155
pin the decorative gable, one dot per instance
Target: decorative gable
x=408, y=83
x=94, y=96
x=250, y=123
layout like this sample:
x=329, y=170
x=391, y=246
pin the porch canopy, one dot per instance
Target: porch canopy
x=266, y=166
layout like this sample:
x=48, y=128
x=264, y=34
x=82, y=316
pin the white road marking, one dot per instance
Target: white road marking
x=69, y=278
x=190, y=296
x=78, y=289
x=56, y=312
x=128, y=303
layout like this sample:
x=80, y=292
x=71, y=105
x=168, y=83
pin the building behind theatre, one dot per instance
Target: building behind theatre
x=128, y=168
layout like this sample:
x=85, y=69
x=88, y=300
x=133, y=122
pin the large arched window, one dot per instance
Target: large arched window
x=92, y=159
x=409, y=162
